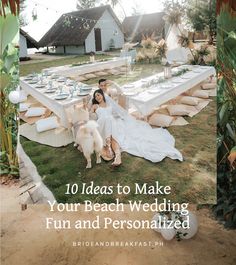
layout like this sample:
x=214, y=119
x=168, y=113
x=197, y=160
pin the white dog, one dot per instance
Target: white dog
x=89, y=140
x=77, y=117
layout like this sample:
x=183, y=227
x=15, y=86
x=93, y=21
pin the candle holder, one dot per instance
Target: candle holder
x=167, y=71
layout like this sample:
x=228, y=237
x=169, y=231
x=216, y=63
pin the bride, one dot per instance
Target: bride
x=121, y=132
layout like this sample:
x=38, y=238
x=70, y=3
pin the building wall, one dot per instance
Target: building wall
x=108, y=26
x=23, y=47
x=70, y=49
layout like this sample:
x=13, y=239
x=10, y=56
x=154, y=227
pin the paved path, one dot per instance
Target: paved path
x=32, y=189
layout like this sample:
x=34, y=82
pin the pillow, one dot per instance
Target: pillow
x=23, y=107
x=46, y=124
x=101, y=73
x=177, y=110
x=200, y=94
x=113, y=72
x=208, y=86
x=160, y=120
x=34, y=112
x=90, y=76
x=81, y=79
x=189, y=101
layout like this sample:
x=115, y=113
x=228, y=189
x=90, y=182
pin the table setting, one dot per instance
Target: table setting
x=150, y=92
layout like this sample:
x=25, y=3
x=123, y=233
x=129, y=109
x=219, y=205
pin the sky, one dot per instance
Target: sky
x=49, y=11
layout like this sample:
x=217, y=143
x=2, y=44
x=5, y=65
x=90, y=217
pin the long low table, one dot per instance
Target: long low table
x=59, y=107
x=146, y=99
x=68, y=70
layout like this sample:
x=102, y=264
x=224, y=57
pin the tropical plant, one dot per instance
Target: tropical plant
x=225, y=209
x=161, y=49
x=200, y=55
x=150, y=51
x=9, y=71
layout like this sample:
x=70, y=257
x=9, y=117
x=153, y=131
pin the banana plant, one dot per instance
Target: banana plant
x=9, y=72
x=225, y=209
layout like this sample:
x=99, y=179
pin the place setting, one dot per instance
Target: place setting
x=62, y=94
x=84, y=90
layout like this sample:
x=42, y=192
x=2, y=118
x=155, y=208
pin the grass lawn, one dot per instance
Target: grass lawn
x=29, y=68
x=192, y=180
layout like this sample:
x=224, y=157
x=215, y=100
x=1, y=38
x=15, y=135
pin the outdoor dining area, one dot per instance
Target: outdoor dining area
x=162, y=99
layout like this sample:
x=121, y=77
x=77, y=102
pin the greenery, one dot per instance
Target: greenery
x=28, y=68
x=201, y=16
x=197, y=167
x=9, y=71
x=199, y=55
x=225, y=209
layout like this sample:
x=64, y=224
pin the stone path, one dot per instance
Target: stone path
x=32, y=189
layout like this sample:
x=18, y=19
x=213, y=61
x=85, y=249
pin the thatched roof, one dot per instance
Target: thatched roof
x=135, y=27
x=31, y=42
x=70, y=28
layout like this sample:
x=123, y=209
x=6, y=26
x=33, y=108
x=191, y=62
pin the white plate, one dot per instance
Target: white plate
x=28, y=78
x=33, y=82
x=130, y=93
x=128, y=86
x=40, y=86
x=154, y=91
x=50, y=91
x=61, y=96
x=54, y=77
x=186, y=76
x=81, y=94
x=87, y=88
x=177, y=80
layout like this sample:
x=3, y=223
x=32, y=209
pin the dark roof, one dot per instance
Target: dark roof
x=31, y=42
x=135, y=27
x=74, y=34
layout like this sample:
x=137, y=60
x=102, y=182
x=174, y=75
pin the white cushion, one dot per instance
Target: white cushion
x=34, y=112
x=160, y=120
x=189, y=101
x=81, y=78
x=200, y=94
x=101, y=73
x=113, y=72
x=46, y=124
x=90, y=76
x=177, y=110
x=23, y=107
x=208, y=86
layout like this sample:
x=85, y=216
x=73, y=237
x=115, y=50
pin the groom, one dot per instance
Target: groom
x=113, y=90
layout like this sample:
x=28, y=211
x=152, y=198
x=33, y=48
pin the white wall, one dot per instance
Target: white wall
x=108, y=25
x=70, y=49
x=23, y=47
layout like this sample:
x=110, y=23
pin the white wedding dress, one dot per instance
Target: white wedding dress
x=135, y=137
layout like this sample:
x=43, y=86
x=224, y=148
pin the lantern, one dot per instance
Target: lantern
x=14, y=97
x=167, y=71
x=92, y=57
